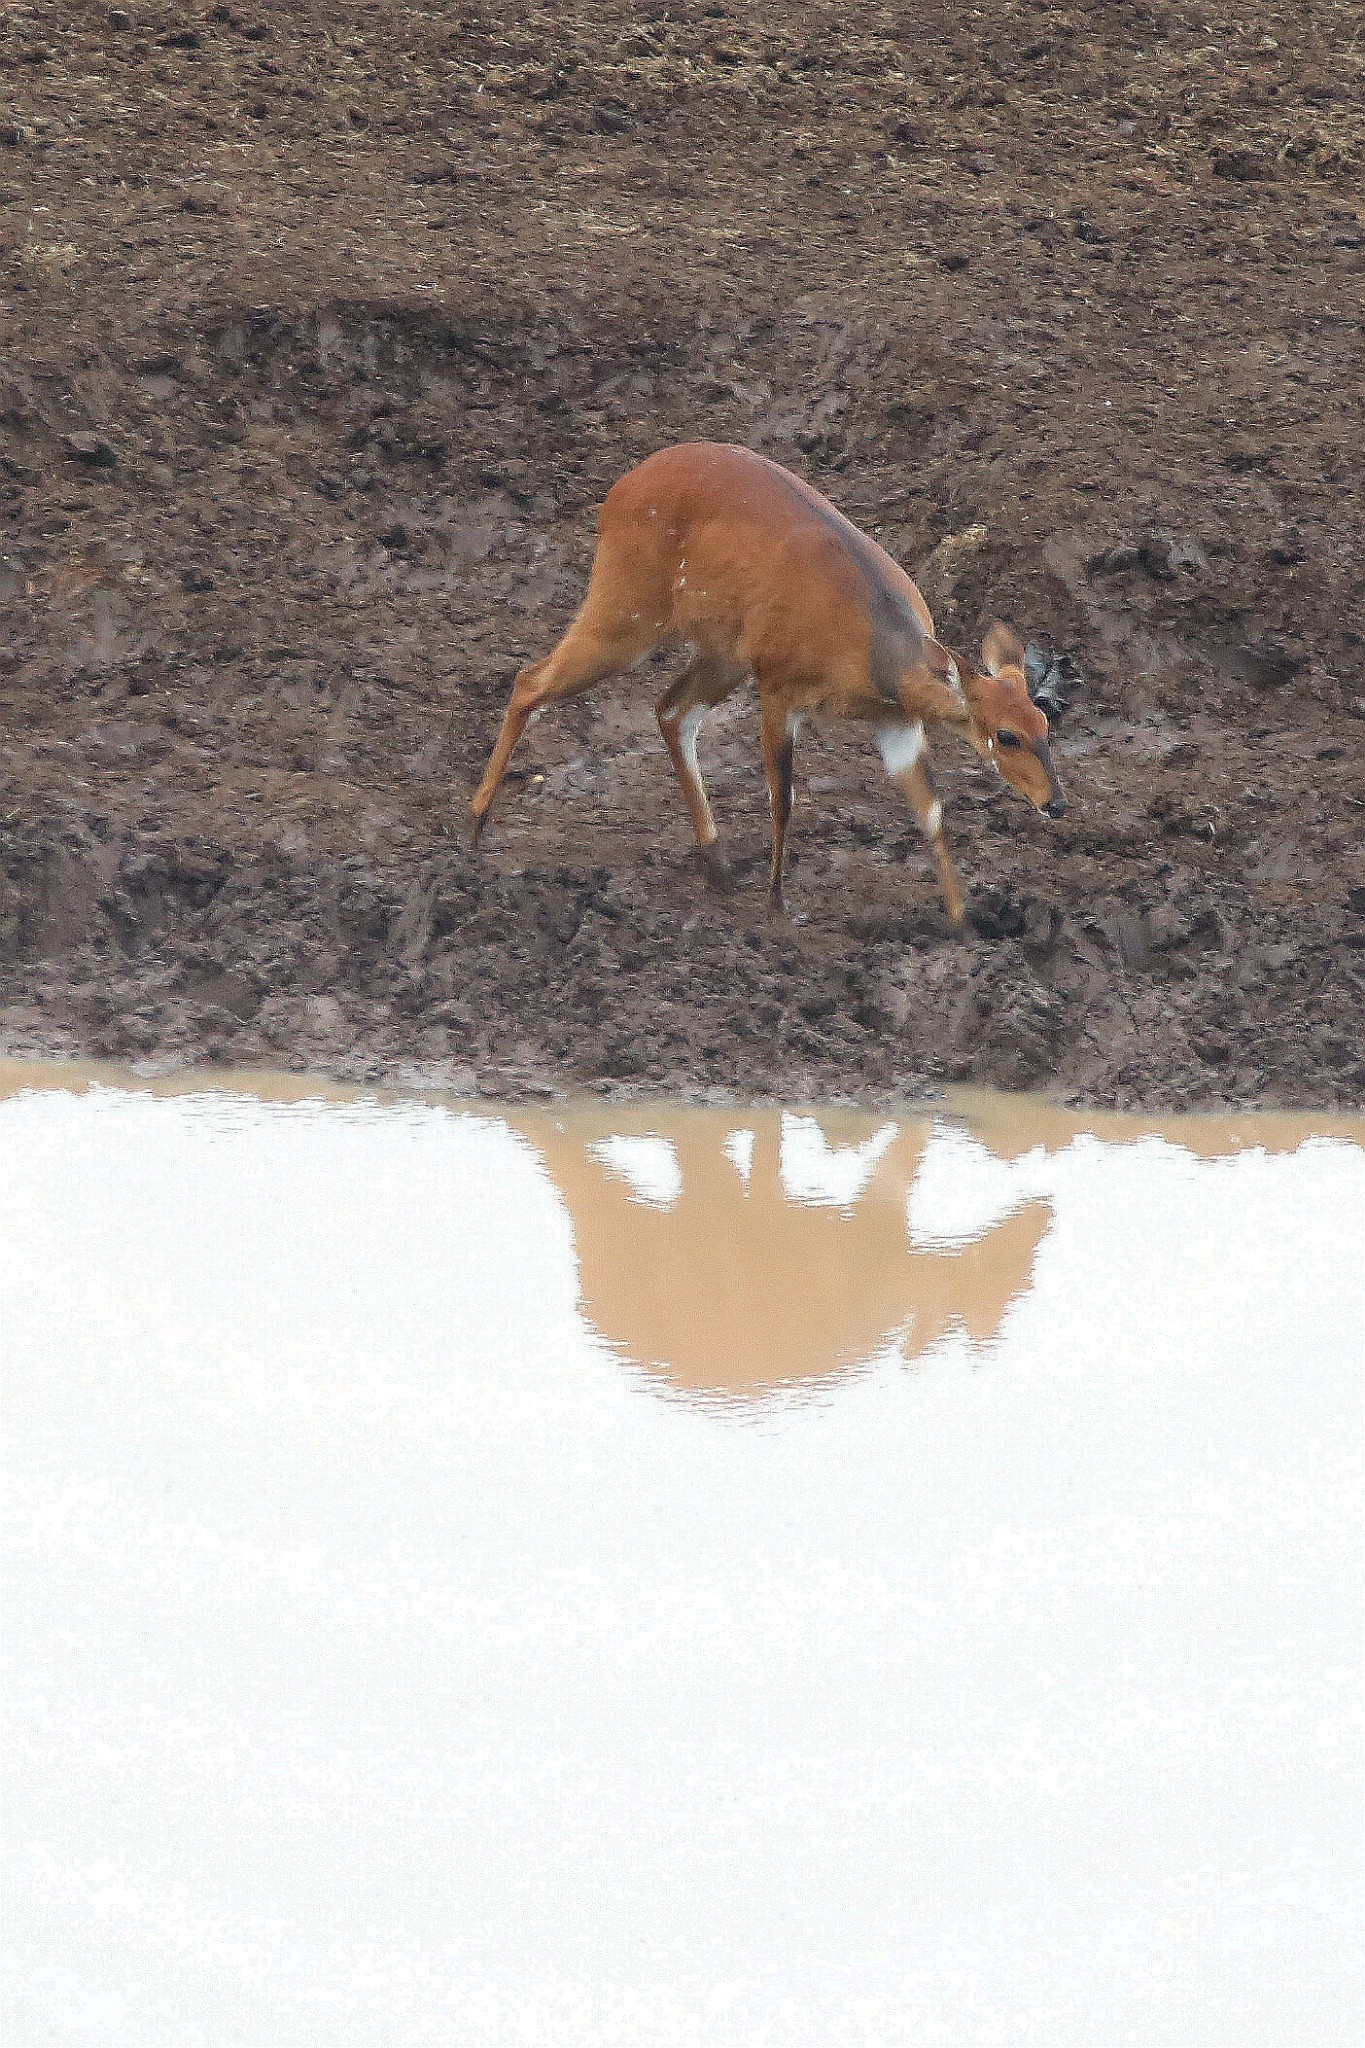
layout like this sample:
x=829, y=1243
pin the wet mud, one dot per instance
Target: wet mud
x=323, y=336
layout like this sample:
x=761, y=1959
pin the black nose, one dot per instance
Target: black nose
x=1057, y=808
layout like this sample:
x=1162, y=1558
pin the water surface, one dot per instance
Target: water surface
x=671, y=1576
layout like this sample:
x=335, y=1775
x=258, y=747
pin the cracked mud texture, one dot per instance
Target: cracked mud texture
x=326, y=328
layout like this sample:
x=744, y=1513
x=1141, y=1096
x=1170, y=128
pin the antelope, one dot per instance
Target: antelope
x=718, y=548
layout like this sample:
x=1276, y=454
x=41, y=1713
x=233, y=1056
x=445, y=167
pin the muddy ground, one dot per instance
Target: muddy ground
x=327, y=327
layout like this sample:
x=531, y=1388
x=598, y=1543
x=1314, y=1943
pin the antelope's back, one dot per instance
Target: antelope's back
x=747, y=536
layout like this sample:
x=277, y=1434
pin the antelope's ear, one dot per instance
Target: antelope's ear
x=1000, y=649
x=942, y=664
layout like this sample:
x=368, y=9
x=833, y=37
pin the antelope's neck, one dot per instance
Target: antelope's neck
x=928, y=696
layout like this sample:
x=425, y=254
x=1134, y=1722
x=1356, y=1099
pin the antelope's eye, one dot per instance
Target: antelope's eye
x=1009, y=739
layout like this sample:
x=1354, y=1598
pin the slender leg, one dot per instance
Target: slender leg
x=703, y=684
x=907, y=761
x=777, y=731
x=583, y=657
x=519, y=708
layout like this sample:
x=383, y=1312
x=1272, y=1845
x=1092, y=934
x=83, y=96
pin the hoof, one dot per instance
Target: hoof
x=715, y=869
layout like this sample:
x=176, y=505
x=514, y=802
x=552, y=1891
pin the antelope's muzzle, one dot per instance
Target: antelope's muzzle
x=1055, y=807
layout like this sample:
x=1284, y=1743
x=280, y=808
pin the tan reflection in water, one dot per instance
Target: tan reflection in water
x=739, y=1287
x=736, y=1285
x=1011, y=1125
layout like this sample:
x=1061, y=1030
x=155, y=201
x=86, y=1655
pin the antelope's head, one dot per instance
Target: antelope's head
x=1006, y=727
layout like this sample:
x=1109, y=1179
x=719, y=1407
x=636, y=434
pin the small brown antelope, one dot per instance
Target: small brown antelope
x=721, y=549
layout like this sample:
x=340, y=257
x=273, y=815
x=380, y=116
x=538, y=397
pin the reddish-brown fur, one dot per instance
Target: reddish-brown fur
x=720, y=549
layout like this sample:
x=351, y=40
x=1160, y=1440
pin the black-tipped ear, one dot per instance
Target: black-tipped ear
x=1053, y=680
x=1001, y=649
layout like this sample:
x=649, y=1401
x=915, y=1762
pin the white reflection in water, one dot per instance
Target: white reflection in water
x=962, y=1189
x=390, y=1663
x=824, y=1174
x=738, y=1147
x=648, y=1166
x=813, y=1170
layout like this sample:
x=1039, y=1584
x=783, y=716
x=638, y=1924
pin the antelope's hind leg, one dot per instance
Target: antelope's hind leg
x=586, y=655
x=681, y=711
x=906, y=756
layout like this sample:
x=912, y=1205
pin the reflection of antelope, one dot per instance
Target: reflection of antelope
x=740, y=1288
x=722, y=550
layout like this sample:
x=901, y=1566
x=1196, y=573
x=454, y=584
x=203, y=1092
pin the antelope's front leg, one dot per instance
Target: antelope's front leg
x=906, y=755
x=777, y=732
